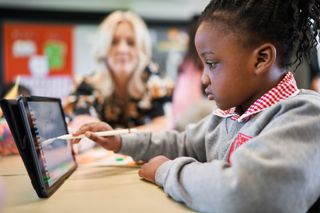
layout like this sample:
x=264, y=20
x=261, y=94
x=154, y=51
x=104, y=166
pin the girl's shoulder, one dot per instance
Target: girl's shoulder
x=306, y=95
x=304, y=103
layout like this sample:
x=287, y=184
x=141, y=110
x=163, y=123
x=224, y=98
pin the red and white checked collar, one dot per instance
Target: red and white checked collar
x=285, y=89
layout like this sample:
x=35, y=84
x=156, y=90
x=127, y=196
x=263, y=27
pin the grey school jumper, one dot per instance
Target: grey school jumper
x=277, y=170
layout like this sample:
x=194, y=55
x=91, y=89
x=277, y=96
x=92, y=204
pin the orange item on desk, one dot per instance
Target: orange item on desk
x=7, y=144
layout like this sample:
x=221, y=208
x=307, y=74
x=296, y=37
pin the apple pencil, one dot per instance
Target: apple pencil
x=101, y=134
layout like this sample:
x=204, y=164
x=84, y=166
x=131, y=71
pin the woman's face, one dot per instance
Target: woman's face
x=122, y=57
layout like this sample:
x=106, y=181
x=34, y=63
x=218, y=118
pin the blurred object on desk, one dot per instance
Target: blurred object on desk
x=7, y=144
x=101, y=157
x=9, y=91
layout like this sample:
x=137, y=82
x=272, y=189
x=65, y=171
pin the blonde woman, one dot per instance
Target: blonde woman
x=132, y=91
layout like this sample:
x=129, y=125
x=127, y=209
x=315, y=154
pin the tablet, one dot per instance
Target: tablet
x=33, y=120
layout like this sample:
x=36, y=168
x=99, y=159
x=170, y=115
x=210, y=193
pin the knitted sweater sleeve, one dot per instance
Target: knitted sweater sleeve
x=145, y=145
x=276, y=171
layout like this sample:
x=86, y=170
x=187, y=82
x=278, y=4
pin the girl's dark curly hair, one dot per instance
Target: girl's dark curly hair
x=291, y=25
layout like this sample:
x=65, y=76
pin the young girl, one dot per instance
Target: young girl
x=260, y=151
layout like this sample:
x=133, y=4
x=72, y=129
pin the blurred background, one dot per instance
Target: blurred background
x=48, y=42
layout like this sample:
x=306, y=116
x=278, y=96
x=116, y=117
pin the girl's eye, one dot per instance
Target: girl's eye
x=211, y=65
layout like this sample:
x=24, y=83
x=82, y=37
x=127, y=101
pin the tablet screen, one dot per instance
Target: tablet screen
x=46, y=122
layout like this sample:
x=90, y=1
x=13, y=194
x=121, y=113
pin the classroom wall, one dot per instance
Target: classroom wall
x=169, y=42
x=84, y=17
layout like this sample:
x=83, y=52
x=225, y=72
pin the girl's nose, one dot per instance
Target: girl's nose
x=205, y=79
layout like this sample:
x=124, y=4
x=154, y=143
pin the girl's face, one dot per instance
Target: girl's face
x=123, y=55
x=228, y=67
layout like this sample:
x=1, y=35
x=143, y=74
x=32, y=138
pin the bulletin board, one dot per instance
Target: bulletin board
x=37, y=49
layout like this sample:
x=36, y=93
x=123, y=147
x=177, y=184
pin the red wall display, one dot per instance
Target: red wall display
x=32, y=48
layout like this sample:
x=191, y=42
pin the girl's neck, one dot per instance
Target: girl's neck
x=266, y=83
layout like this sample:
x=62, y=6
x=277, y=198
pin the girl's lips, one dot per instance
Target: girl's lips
x=209, y=94
x=210, y=97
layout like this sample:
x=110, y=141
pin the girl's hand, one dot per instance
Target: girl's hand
x=148, y=170
x=112, y=143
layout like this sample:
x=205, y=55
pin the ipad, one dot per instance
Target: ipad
x=33, y=120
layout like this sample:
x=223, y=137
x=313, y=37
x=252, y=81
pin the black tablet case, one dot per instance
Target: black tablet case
x=14, y=119
x=15, y=122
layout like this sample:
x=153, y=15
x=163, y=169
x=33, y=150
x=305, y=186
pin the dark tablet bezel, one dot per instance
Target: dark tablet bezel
x=43, y=189
x=13, y=117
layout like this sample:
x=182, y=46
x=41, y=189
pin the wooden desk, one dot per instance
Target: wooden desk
x=94, y=188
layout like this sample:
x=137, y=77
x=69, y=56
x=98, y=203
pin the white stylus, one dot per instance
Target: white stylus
x=101, y=134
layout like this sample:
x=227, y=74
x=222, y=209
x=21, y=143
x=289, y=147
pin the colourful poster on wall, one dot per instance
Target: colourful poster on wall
x=37, y=50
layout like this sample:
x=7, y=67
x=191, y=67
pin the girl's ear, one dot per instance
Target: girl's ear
x=265, y=56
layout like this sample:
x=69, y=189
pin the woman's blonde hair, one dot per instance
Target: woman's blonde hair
x=102, y=79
